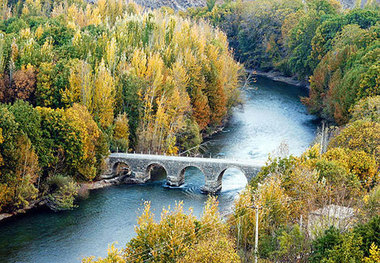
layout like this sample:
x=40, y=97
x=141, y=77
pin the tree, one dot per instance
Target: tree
x=346, y=251
x=359, y=135
x=63, y=192
x=357, y=163
x=131, y=87
x=80, y=84
x=121, y=133
x=4, y=88
x=366, y=109
x=189, y=137
x=177, y=237
x=89, y=165
x=322, y=244
x=176, y=230
x=19, y=167
x=29, y=121
x=213, y=243
x=215, y=91
x=345, y=74
x=293, y=244
x=103, y=97
x=62, y=141
x=24, y=83
x=45, y=91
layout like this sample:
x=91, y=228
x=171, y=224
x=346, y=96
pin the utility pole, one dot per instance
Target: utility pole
x=257, y=234
x=322, y=137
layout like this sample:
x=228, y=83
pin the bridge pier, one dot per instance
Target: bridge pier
x=138, y=178
x=212, y=187
x=175, y=181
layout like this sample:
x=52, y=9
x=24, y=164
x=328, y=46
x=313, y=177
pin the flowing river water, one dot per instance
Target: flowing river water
x=272, y=114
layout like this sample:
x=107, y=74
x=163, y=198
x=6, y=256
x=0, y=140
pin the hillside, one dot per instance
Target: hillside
x=183, y=4
x=175, y=4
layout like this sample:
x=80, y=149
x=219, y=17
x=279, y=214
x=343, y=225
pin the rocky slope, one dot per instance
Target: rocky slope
x=183, y=4
x=175, y=4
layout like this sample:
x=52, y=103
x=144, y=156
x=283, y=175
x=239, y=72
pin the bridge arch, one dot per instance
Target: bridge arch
x=154, y=165
x=182, y=171
x=221, y=173
x=121, y=168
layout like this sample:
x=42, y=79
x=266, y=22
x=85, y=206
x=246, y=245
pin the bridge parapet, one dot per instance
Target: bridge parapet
x=140, y=165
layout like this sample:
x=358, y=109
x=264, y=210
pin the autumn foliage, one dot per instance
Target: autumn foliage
x=82, y=78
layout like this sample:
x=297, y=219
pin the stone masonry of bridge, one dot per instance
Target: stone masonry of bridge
x=136, y=168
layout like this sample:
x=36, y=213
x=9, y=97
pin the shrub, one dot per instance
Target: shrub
x=369, y=233
x=366, y=109
x=330, y=238
x=361, y=136
x=63, y=192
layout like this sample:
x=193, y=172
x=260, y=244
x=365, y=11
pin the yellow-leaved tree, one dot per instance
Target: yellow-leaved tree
x=103, y=97
x=90, y=136
x=177, y=237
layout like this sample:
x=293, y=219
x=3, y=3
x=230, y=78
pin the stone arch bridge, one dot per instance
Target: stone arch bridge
x=136, y=168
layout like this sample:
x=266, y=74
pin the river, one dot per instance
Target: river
x=272, y=114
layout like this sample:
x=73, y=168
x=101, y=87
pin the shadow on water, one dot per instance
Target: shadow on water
x=272, y=113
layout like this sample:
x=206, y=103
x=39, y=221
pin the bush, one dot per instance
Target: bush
x=63, y=192
x=347, y=162
x=374, y=256
x=294, y=245
x=348, y=250
x=366, y=109
x=177, y=237
x=120, y=140
x=369, y=233
x=372, y=202
x=330, y=238
x=361, y=136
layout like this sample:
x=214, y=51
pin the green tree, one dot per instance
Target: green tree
x=324, y=243
x=19, y=165
x=369, y=233
x=347, y=251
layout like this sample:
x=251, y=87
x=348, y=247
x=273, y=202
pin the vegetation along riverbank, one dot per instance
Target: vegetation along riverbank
x=79, y=79
x=322, y=206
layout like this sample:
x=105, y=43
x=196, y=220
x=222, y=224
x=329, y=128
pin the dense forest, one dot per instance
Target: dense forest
x=322, y=206
x=79, y=79
x=335, y=49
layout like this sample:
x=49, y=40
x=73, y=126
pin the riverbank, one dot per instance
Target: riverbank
x=107, y=182
x=33, y=205
x=278, y=76
x=109, y=214
x=41, y=202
